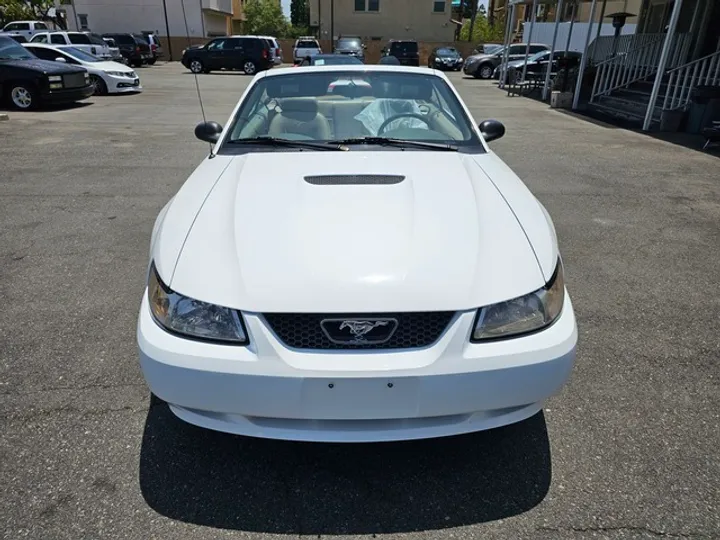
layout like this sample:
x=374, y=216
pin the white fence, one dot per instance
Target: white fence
x=543, y=33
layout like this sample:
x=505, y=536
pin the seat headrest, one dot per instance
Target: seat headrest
x=299, y=105
x=400, y=89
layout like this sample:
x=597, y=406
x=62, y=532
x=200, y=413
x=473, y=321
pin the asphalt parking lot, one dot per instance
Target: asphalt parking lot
x=628, y=450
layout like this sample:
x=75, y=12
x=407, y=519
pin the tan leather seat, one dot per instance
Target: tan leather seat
x=300, y=116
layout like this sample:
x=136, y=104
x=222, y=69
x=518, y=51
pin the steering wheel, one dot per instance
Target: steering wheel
x=402, y=115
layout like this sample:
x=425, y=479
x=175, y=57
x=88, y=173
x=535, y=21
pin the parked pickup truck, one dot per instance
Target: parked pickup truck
x=79, y=40
x=304, y=47
x=25, y=28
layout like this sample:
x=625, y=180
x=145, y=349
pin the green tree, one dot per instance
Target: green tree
x=265, y=17
x=13, y=10
x=300, y=13
x=482, y=30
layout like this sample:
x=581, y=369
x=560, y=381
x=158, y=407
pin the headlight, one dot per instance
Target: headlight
x=55, y=78
x=116, y=73
x=522, y=315
x=182, y=315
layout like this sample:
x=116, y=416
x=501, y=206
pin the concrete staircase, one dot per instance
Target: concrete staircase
x=630, y=104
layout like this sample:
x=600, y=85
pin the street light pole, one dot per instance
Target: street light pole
x=167, y=30
x=332, y=26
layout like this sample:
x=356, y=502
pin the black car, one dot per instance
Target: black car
x=134, y=49
x=405, y=50
x=330, y=60
x=26, y=81
x=18, y=37
x=445, y=58
x=246, y=53
x=537, y=65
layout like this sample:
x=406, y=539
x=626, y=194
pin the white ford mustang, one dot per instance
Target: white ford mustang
x=354, y=267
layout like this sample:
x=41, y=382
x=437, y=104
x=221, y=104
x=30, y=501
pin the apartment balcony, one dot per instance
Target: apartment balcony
x=219, y=6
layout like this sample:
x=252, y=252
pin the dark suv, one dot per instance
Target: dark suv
x=26, y=81
x=134, y=49
x=405, y=50
x=247, y=53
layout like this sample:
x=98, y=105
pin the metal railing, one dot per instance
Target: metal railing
x=703, y=71
x=605, y=47
x=626, y=68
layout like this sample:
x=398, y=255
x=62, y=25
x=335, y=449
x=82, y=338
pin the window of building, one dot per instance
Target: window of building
x=439, y=6
x=367, y=5
x=83, y=18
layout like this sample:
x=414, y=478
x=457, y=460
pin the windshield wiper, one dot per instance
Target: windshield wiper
x=387, y=141
x=276, y=141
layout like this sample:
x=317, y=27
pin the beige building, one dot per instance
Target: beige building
x=546, y=12
x=423, y=20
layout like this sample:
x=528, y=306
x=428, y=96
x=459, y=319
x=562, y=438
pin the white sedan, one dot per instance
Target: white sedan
x=107, y=77
x=354, y=269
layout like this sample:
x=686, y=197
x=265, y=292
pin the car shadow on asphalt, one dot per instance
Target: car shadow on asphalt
x=231, y=482
x=49, y=108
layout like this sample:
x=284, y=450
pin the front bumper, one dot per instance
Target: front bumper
x=118, y=85
x=67, y=95
x=268, y=390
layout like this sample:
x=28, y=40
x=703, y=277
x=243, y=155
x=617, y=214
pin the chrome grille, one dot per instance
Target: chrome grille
x=74, y=80
x=414, y=329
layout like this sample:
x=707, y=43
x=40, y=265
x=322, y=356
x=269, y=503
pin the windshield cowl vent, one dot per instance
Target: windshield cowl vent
x=355, y=180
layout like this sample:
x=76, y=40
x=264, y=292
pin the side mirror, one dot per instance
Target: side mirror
x=61, y=59
x=208, y=131
x=491, y=130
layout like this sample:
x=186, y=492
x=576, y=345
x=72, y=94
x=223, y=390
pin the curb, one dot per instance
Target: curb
x=4, y=117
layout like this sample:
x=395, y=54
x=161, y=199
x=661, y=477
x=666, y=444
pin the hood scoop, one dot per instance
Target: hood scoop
x=355, y=180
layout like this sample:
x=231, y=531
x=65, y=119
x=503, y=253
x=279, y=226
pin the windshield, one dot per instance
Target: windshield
x=97, y=40
x=307, y=45
x=79, y=39
x=12, y=50
x=348, y=44
x=80, y=55
x=404, y=46
x=447, y=52
x=336, y=105
x=538, y=56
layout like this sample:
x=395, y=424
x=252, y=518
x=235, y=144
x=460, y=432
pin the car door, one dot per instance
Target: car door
x=20, y=28
x=214, y=59
x=234, y=52
x=40, y=38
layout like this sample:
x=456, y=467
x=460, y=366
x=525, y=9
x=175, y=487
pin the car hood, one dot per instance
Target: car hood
x=46, y=66
x=478, y=57
x=263, y=239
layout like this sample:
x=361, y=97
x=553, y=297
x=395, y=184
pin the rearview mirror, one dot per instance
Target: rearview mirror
x=60, y=59
x=208, y=131
x=491, y=130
